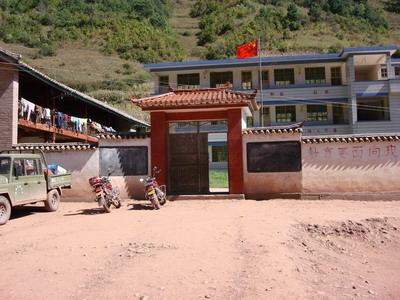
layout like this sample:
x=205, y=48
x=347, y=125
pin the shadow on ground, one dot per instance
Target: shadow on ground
x=88, y=212
x=140, y=206
x=23, y=211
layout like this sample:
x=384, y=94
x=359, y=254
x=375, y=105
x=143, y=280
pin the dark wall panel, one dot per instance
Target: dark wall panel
x=274, y=157
x=124, y=161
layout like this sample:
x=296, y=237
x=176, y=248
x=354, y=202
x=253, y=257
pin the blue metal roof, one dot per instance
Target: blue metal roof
x=233, y=62
x=253, y=60
x=367, y=49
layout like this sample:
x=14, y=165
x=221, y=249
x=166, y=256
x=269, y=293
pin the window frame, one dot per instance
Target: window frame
x=163, y=86
x=318, y=75
x=23, y=173
x=384, y=105
x=264, y=79
x=286, y=112
x=193, y=77
x=220, y=81
x=338, y=76
x=9, y=165
x=397, y=71
x=280, y=80
x=384, y=72
x=248, y=84
x=317, y=116
x=218, y=152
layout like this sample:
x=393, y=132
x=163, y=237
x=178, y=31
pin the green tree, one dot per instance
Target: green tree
x=393, y=6
x=293, y=17
x=315, y=12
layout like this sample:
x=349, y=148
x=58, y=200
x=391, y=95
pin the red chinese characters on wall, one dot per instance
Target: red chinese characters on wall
x=355, y=152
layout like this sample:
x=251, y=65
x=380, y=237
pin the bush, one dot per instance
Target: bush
x=47, y=50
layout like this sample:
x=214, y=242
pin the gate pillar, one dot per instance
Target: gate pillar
x=158, y=144
x=235, y=151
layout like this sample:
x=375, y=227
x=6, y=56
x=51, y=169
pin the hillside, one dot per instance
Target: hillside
x=98, y=46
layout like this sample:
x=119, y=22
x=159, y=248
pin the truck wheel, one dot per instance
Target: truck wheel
x=5, y=210
x=53, y=201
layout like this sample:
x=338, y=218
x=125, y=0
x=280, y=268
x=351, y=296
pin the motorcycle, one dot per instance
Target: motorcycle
x=153, y=192
x=106, y=194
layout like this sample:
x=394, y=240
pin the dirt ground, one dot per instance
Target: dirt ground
x=280, y=249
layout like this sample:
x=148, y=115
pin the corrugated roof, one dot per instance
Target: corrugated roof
x=66, y=89
x=212, y=97
x=48, y=147
x=124, y=136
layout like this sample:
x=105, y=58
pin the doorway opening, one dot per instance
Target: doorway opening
x=198, y=157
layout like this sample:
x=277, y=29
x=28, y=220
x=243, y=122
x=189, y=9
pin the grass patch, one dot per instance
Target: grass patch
x=218, y=178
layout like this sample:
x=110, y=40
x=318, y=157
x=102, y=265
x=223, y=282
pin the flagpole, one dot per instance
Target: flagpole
x=260, y=83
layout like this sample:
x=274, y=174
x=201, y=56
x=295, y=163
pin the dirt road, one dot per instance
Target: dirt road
x=279, y=249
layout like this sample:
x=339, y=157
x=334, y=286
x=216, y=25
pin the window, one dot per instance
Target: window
x=163, y=84
x=221, y=79
x=397, y=71
x=285, y=114
x=266, y=117
x=373, y=109
x=336, y=76
x=246, y=80
x=317, y=113
x=265, y=79
x=284, y=77
x=338, y=111
x=31, y=167
x=315, y=75
x=219, y=154
x=18, y=168
x=189, y=81
x=124, y=161
x=249, y=122
x=384, y=72
x=4, y=166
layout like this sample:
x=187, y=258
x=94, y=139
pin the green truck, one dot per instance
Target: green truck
x=24, y=179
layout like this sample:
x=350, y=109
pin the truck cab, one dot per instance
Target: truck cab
x=24, y=179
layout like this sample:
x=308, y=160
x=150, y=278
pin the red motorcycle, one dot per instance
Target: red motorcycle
x=153, y=192
x=106, y=194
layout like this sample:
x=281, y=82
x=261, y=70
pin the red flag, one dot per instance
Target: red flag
x=247, y=50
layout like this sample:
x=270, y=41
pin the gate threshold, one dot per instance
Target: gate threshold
x=207, y=197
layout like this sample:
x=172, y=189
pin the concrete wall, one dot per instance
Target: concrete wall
x=351, y=167
x=329, y=168
x=9, y=106
x=257, y=185
x=130, y=186
x=86, y=164
x=82, y=165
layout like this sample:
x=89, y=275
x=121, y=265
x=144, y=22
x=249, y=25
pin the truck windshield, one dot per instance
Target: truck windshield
x=4, y=166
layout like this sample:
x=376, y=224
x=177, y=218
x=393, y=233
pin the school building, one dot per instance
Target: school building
x=355, y=91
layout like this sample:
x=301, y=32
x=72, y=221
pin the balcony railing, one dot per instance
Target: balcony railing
x=287, y=95
x=370, y=88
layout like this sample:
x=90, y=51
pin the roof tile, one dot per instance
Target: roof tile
x=212, y=97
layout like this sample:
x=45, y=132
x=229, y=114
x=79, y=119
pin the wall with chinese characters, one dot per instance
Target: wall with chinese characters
x=351, y=167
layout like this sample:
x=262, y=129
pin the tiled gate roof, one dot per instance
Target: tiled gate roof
x=199, y=98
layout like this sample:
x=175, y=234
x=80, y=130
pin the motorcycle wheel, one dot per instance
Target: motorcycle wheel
x=117, y=202
x=106, y=205
x=163, y=200
x=154, y=201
